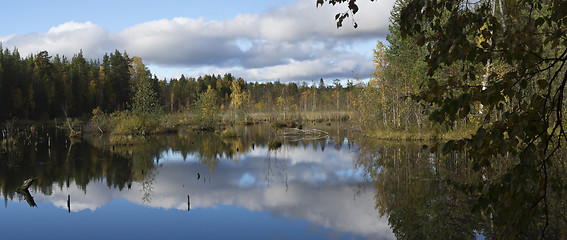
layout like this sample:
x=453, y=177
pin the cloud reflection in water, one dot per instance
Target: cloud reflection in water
x=292, y=182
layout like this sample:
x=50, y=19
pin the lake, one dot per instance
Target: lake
x=331, y=183
x=190, y=185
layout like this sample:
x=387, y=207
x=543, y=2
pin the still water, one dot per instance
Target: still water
x=193, y=185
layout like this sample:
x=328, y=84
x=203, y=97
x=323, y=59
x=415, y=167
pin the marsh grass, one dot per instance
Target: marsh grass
x=429, y=133
x=317, y=116
x=127, y=128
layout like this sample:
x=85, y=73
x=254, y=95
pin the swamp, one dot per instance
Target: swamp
x=335, y=184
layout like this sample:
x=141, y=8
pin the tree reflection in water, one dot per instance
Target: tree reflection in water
x=148, y=185
x=428, y=195
x=423, y=194
x=303, y=180
x=60, y=162
x=419, y=191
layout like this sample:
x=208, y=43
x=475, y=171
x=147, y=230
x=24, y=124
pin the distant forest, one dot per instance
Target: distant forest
x=41, y=86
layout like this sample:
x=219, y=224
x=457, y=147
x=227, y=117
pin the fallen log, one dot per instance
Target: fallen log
x=296, y=134
x=27, y=183
x=28, y=197
x=23, y=190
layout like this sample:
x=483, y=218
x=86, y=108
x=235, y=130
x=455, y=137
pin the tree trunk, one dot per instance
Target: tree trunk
x=487, y=73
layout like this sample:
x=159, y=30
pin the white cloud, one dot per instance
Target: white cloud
x=65, y=39
x=295, y=42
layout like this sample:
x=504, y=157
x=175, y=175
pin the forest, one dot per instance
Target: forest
x=41, y=86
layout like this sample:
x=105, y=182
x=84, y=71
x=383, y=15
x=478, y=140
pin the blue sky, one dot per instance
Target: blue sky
x=257, y=40
x=28, y=16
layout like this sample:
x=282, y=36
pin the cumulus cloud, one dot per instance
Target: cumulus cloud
x=294, y=42
x=66, y=39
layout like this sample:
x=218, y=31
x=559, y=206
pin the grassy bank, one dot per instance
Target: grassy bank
x=431, y=133
x=316, y=116
x=127, y=127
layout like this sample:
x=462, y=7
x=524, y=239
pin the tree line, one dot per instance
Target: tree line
x=41, y=86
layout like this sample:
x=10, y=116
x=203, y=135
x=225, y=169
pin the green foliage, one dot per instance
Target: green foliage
x=41, y=86
x=385, y=101
x=145, y=101
x=128, y=123
x=522, y=102
x=208, y=111
x=73, y=127
x=384, y=106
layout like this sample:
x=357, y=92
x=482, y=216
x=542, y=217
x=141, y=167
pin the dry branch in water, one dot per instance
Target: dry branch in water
x=296, y=134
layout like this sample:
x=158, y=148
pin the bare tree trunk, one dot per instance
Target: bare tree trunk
x=502, y=15
x=313, y=109
x=64, y=108
x=489, y=62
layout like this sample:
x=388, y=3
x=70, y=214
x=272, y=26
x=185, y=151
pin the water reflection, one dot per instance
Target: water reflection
x=428, y=195
x=373, y=190
x=310, y=180
x=27, y=196
x=418, y=191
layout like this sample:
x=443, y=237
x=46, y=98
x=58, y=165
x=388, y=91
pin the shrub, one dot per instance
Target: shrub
x=132, y=124
x=229, y=133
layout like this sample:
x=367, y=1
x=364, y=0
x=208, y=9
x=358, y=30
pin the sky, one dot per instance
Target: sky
x=257, y=40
